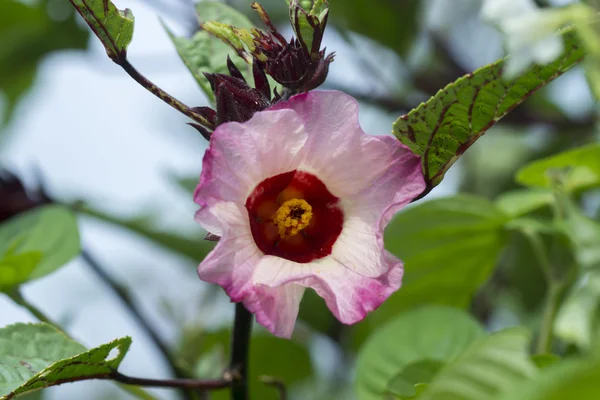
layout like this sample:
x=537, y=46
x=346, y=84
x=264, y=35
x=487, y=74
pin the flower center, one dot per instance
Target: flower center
x=293, y=216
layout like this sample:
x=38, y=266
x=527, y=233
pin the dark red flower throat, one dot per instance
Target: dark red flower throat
x=294, y=216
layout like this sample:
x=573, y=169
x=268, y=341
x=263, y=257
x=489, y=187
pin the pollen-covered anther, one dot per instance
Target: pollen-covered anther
x=292, y=217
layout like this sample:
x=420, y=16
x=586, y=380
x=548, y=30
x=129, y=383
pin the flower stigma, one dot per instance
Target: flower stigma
x=293, y=216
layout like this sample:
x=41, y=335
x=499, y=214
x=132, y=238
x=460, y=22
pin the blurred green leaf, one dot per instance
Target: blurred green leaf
x=394, y=24
x=112, y=26
x=193, y=247
x=442, y=242
x=573, y=379
x=581, y=165
x=283, y=359
x=36, y=356
x=205, y=53
x=414, y=379
x=36, y=243
x=523, y=201
x=585, y=234
x=444, y=127
x=577, y=320
x=489, y=367
x=433, y=333
x=27, y=34
x=543, y=361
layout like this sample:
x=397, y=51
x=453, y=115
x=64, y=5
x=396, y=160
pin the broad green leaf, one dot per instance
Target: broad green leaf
x=38, y=35
x=489, y=367
x=573, y=379
x=283, y=359
x=543, y=361
x=414, y=379
x=433, y=333
x=36, y=356
x=581, y=165
x=39, y=241
x=205, y=53
x=441, y=242
x=191, y=246
x=394, y=24
x=444, y=127
x=112, y=26
x=585, y=234
x=523, y=201
x=576, y=321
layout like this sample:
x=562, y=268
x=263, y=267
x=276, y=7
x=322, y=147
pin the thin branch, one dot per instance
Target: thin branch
x=124, y=297
x=158, y=92
x=240, y=349
x=190, y=384
x=277, y=384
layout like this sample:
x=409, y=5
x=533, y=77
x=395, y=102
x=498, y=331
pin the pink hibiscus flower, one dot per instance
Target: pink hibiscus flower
x=300, y=197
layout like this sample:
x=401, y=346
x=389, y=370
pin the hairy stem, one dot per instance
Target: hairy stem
x=158, y=92
x=240, y=349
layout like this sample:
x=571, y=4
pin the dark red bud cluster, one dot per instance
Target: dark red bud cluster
x=292, y=64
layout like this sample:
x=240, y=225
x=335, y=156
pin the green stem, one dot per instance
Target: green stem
x=544, y=341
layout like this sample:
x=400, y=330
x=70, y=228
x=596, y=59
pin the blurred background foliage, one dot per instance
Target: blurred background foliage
x=467, y=251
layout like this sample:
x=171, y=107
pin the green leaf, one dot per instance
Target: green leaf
x=581, y=165
x=392, y=23
x=36, y=356
x=444, y=127
x=36, y=243
x=543, y=361
x=205, y=53
x=576, y=321
x=573, y=379
x=414, y=379
x=523, y=201
x=191, y=246
x=283, y=359
x=491, y=366
x=38, y=35
x=585, y=234
x=112, y=26
x=441, y=242
x=433, y=333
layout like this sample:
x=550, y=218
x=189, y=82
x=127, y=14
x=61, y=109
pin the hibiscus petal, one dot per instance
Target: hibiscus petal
x=276, y=308
x=338, y=151
x=232, y=261
x=240, y=156
x=360, y=245
x=349, y=295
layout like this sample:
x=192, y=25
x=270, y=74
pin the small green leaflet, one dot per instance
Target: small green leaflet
x=205, y=53
x=112, y=26
x=581, y=167
x=36, y=243
x=444, y=127
x=36, y=356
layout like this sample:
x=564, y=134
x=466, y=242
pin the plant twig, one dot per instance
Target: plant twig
x=277, y=384
x=123, y=295
x=240, y=349
x=158, y=92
